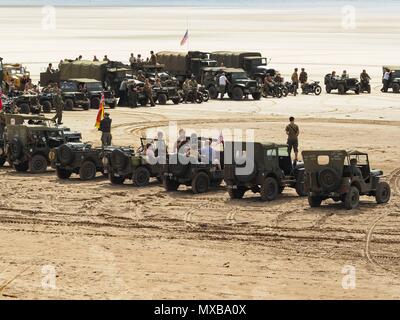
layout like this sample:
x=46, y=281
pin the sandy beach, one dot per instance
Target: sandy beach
x=111, y=242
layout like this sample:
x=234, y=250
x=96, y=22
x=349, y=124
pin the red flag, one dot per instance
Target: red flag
x=1, y=100
x=185, y=38
x=100, y=113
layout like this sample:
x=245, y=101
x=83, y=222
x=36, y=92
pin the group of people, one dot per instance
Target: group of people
x=129, y=91
x=189, y=86
x=138, y=61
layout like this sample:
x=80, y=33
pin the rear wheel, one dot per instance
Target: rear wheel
x=396, y=87
x=300, y=186
x=237, y=94
x=237, y=193
x=95, y=103
x=314, y=201
x=162, y=99
x=116, y=180
x=38, y=164
x=24, y=108
x=69, y=104
x=341, y=89
x=141, y=177
x=63, y=174
x=269, y=189
x=87, y=171
x=383, y=192
x=170, y=185
x=22, y=167
x=176, y=100
x=256, y=96
x=46, y=106
x=352, y=199
x=213, y=92
x=200, y=183
x=328, y=88
x=317, y=90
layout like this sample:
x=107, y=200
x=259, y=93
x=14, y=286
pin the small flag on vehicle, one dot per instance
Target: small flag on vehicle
x=185, y=38
x=100, y=113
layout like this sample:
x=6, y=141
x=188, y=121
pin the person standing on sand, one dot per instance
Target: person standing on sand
x=293, y=131
x=385, y=81
x=58, y=104
x=295, y=78
x=303, y=76
x=222, y=82
x=105, y=128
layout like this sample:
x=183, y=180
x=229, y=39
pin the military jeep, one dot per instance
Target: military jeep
x=199, y=172
x=394, y=80
x=93, y=90
x=164, y=93
x=342, y=176
x=29, y=139
x=78, y=158
x=240, y=85
x=264, y=168
x=28, y=103
x=341, y=84
x=135, y=166
x=72, y=96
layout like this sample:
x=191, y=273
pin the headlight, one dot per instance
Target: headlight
x=52, y=155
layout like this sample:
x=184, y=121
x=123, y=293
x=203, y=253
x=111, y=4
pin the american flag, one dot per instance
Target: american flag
x=185, y=38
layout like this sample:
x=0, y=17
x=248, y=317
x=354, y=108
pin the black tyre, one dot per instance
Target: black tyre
x=162, y=99
x=116, y=180
x=113, y=105
x=200, y=183
x=2, y=161
x=383, y=192
x=143, y=102
x=87, y=171
x=237, y=193
x=269, y=189
x=341, y=89
x=22, y=167
x=63, y=174
x=396, y=87
x=170, y=185
x=357, y=90
x=66, y=155
x=69, y=104
x=213, y=92
x=328, y=88
x=24, y=108
x=314, y=201
x=329, y=180
x=176, y=100
x=46, y=105
x=95, y=103
x=278, y=93
x=317, y=90
x=38, y=164
x=256, y=96
x=285, y=91
x=300, y=185
x=352, y=199
x=86, y=106
x=141, y=177
x=237, y=93
x=199, y=97
x=369, y=88
x=206, y=95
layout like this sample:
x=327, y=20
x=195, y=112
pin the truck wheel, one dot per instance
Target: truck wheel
x=69, y=104
x=95, y=103
x=24, y=108
x=22, y=167
x=341, y=89
x=176, y=100
x=300, y=186
x=213, y=92
x=396, y=87
x=357, y=90
x=369, y=88
x=162, y=99
x=116, y=180
x=237, y=193
x=269, y=189
x=237, y=94
x=170, y=185
x=87, y=171
x=46, y=106
x=314, y=201
x=63, y=174
x=317, y=90
x=200, y=183
x=382, y=194
x=352, y=199
x=256, y=96
x=143, y=102
x=328, y=88
x=38, y=164
x=141, y=177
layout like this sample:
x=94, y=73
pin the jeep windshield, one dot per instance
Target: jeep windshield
x=94, y=86
x=239, y=76
x=15, y=71
x=69, y=87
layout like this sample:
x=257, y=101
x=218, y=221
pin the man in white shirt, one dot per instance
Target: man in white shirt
x=386, y=80
x=222, y=82
x=132, y=60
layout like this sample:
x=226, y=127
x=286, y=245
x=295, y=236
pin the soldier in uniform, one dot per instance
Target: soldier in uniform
x=148, y=90
x=295, y=78
x=345, y=75
x=132, y=95
x=186, y=89
x=105, y=128
x=153, y=58
x=303, y=77
x=58, y=104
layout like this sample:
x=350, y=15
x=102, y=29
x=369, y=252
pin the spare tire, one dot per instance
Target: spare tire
x=66, y=154
x=119, y=159
x=329, y=180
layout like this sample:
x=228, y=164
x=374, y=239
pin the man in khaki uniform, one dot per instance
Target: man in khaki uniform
x=293, y=131
x=58, y=105
x=295, y=78
x=148, y=90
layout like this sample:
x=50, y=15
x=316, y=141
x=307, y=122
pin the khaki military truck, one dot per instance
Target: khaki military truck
x=264, y=168
x=15, y=72
x=76, y=157
x=344, y=176
x=29, y=139
x=135, y=166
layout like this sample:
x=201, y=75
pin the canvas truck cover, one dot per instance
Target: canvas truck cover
x=83, y=69
x=232, y=59
x=175, y=62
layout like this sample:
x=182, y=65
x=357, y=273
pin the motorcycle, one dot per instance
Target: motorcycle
x=205, y=93
x=312, y=87
x=193, y=96
x=274, y=91
x=291, y=88
x=365, y=86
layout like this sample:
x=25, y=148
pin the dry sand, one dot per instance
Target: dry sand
x=113, y=242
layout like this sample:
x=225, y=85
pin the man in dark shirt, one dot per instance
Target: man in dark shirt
x=105, y=128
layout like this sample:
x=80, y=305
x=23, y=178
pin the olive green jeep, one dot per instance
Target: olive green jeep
x=264, y=168
x=29, y=139
x=76, y=157
x=342, y=176
x=125, y=163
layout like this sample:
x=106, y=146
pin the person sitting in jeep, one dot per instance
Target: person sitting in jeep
x=355, y=170
x=345, y=75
